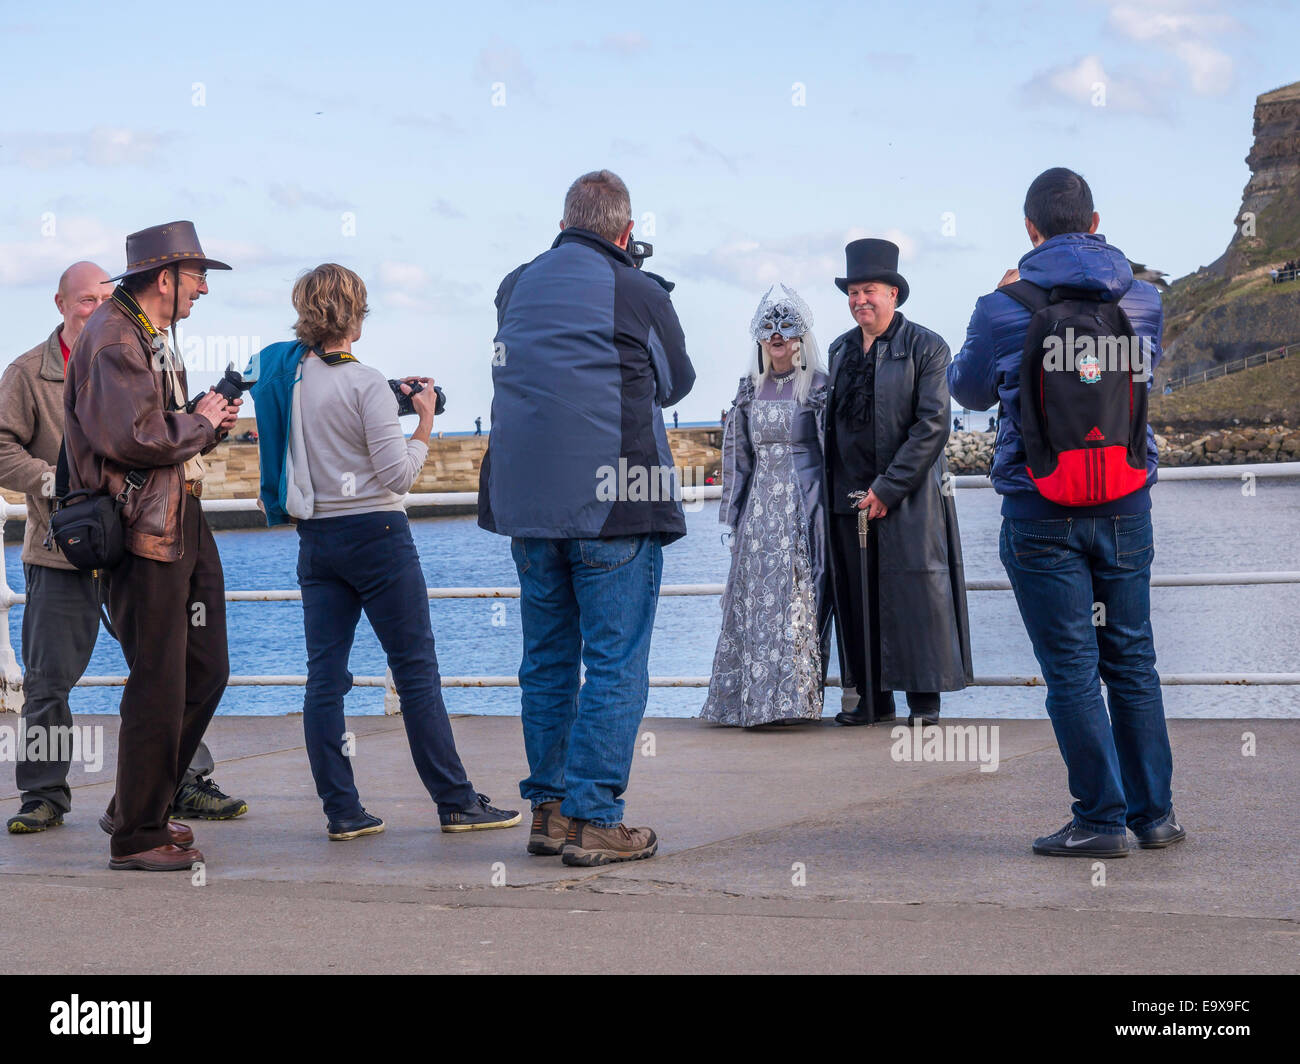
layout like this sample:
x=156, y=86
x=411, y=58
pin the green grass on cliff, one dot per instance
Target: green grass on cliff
x=1271, y=391
x=1276, y=240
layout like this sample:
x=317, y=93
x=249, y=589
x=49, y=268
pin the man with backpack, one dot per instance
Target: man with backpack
x=1066, y=346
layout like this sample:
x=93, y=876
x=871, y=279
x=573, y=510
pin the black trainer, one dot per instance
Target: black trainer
x=1165, y=835
x=204, y=800
x=354, y=826
x=1075, y=841
x=479, y=817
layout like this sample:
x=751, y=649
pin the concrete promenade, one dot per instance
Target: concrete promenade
x=800, y=849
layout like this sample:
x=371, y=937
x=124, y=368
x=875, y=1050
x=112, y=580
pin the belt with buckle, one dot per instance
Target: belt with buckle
x=195, y=488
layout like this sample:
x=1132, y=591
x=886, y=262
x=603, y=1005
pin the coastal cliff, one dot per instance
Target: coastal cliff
x=1232, y=309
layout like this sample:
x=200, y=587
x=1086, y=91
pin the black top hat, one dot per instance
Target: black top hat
x=160, y=245
x=872, y=260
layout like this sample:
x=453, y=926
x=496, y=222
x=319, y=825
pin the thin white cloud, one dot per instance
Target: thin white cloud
x=102, y=146
x=292, y=195
x=41, y=259
x=802, y=261
x=1163, y=20
x=409, y=286
x=1086, y=83
x=503, y=62
x=631, y=42
x=260, y=299
x=435, y=123
x=243, y=254
x=701, y=148
x=1210, y=70
x=1190, y=30
x=896, y=62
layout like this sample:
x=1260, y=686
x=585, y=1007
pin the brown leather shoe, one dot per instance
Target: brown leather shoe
x=159, y=859
x=588, y=844
x=546, y=837
x=182, y=834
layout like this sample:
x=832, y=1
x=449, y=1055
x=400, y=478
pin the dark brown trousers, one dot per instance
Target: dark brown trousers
x=171, y=620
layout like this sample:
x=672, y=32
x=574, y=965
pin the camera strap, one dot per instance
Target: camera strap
x=127, y=302
x=334, y=358
x=135, y=479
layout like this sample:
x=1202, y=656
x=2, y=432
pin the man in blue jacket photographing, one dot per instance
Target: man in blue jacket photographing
x=1074, y=462
x=578, y=472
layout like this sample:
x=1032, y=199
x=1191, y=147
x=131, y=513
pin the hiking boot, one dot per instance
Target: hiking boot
x=480, y=817
x=1165, y=835
x=588, y=844
x=35, y=815
x=354, y=826
x=1075, y=841
x=546, y=837
x=204, y=800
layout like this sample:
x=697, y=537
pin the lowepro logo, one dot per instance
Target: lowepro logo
x=75, y=1016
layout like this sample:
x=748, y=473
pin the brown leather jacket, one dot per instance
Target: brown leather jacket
x=119, y=416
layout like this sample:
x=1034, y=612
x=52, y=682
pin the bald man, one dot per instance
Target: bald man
x=61, y=619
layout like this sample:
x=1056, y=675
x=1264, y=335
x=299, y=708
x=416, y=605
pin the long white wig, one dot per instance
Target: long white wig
x=784, y=302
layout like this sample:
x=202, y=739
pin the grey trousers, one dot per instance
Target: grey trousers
x=60, y=626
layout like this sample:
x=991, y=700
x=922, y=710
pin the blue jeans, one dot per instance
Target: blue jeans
x=1083, y=586
x=369, y=562
x=591, y=600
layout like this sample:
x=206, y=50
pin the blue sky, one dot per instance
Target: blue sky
x=756, y=140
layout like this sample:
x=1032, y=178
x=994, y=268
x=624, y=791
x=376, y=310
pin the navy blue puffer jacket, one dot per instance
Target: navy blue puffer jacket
x=987, y=369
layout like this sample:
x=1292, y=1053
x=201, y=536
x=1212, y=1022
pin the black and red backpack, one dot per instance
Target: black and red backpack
x=1083, y=415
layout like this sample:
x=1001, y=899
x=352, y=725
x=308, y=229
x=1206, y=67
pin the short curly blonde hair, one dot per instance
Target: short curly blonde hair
x=331, y=304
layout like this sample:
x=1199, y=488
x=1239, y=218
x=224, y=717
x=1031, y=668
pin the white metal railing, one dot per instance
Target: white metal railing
x=11, y=696
x=1175, y=384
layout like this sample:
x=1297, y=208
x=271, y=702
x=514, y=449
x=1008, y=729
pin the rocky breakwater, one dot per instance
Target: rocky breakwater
x=1234, y=446
x=972, y=452
x=969, y=452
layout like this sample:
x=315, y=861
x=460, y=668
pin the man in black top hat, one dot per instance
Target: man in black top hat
x=900, y=601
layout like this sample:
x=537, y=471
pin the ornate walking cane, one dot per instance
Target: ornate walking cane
x=866, y=685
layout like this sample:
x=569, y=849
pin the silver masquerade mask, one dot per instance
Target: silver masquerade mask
x=780, y=311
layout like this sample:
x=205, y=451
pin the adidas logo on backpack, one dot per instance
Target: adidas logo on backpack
x=1083, y=418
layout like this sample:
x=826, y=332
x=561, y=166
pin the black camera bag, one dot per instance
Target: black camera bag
x=87, y=525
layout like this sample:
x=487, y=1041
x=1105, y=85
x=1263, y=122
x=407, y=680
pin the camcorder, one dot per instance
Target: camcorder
x=404, y=404
x=638, y=251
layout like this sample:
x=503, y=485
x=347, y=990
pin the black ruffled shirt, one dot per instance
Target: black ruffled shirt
x=853, y=456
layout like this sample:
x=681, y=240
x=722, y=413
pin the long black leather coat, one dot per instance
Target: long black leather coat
x=924, y=628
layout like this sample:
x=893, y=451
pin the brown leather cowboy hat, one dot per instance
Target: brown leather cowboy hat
x=160, y=245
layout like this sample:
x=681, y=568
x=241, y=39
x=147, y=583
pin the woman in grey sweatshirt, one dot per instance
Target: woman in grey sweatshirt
x=347, y=467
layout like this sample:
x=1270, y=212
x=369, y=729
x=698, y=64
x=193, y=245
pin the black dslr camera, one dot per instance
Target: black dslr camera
x=404, y=404
x=232, y=385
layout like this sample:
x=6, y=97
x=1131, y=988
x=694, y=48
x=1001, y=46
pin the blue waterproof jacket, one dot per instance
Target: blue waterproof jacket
x=588, y=352
x=279, y=366
x=987, y=369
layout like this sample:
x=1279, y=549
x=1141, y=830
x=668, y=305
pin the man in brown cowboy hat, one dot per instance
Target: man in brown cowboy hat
x=125, y=410
x=61, y=619
x=900, y=600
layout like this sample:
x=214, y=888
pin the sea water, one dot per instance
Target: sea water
x=1200, y=526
